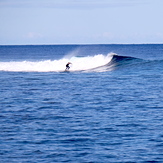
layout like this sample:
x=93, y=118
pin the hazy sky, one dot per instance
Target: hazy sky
x=81, y=21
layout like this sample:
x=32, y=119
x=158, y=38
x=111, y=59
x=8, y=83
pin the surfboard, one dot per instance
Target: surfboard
x=65, y=71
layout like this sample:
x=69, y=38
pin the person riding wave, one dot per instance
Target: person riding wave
x=68, y=66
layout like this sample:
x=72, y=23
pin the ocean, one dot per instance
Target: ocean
x=108, y=108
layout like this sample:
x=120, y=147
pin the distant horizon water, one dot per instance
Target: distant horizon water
x=41, y=44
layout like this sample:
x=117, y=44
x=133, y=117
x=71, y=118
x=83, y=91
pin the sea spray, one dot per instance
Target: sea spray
x=78, y=63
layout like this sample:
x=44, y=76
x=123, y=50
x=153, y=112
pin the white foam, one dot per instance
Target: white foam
x=78, y=63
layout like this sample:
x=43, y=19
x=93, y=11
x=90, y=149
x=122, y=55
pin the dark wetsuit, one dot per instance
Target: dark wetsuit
x=67, y=66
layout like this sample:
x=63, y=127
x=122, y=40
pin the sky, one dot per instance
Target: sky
x=34, y=22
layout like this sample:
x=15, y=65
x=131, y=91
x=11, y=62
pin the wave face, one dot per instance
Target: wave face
x=78, y=64
x=117, y=62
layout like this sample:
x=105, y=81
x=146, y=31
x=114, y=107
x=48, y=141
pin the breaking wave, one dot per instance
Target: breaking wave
x=97, y=63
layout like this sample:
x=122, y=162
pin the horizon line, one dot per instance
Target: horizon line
x=81, y=44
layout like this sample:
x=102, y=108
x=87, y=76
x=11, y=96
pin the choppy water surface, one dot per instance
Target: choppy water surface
x=107, y=113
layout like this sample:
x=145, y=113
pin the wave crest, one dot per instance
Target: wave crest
x=78, y=64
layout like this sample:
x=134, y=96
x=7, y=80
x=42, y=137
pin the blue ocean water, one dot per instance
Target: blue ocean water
x=107, y=108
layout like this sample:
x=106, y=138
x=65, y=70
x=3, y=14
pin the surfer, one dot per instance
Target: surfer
x=68, y=66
